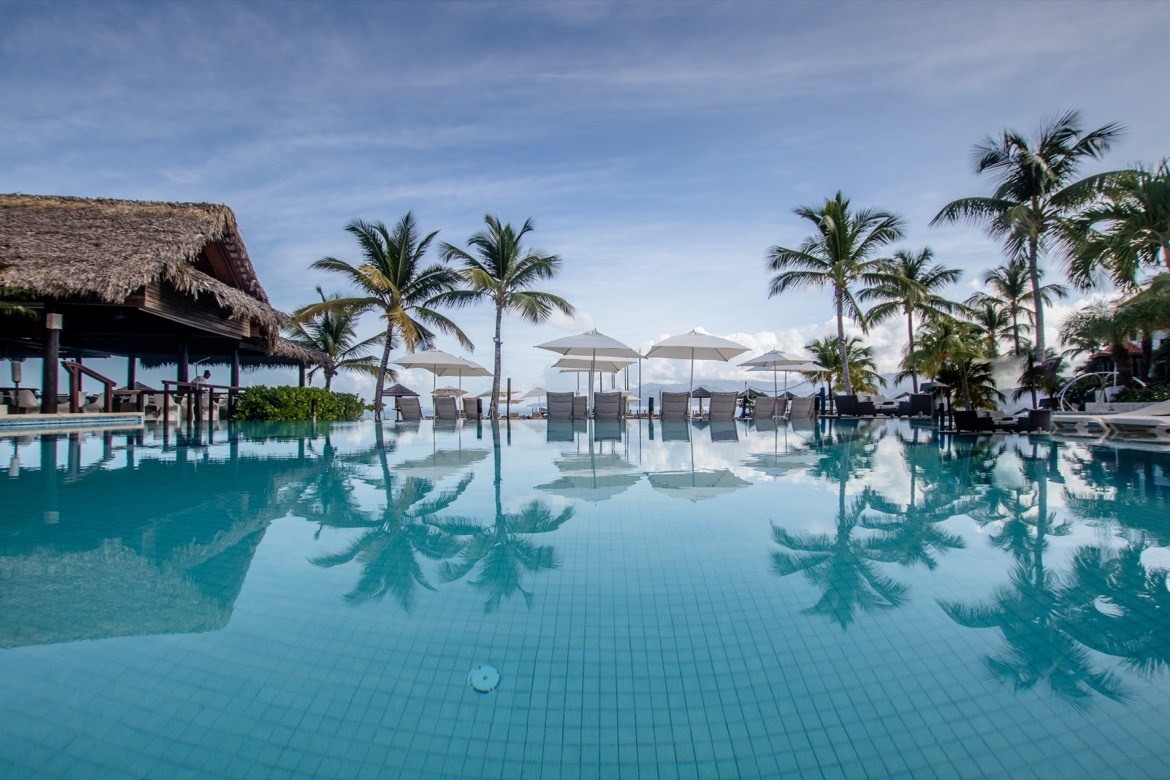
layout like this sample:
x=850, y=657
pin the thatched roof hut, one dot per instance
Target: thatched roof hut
x=137, y=278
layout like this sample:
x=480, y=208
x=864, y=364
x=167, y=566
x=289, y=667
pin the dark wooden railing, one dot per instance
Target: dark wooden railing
x=76, y=372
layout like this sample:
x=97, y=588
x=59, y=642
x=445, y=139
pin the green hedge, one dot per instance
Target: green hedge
x=1152, y=393
x=296, y=403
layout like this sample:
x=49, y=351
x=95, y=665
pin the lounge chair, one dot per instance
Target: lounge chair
x=608, y=406
x=802, y=408
x=409, y=409
x=675, y=406
x=921, y=404
x=765, y=408
x=446, y=408
x=560, y=406
x=580, y=407
x=1079, y=425
x=971, y=421
x=850, y=406
x=471, y=407
x=1151, y=423
x=722, y=406
x=26, y=402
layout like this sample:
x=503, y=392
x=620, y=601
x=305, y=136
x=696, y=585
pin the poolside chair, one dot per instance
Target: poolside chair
x=446, y=408
x=580, y=407
x=802, y=408
x=971, y=421
x=560, y=406
x=921, y=404
x=608, y=406
x=675, y=406
x=471, y=407
x=851, y=406
x=1151, y=423
x=409, y=409
x=765, y=408
x=722, y=406
x=26, y=402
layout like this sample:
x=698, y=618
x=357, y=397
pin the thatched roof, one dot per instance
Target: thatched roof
x=65, y=247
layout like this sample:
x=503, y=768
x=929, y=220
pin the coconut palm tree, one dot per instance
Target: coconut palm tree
x=1036, y=190
x=908, y=284
x=950, y=347
x=392, y=280
x=502, y=270
x=1104, y=324
x=333, y=333
x=859, y=364
x=991, y=320
x=840, y=254
x=1128, y=231
x=1010, y=286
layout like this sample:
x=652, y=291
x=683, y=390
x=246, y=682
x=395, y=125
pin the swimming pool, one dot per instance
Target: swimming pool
x=691, y=600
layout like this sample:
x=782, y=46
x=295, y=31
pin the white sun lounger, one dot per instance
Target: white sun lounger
x=1149, y=424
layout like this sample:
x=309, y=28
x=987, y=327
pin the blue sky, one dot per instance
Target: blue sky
x=658, y=147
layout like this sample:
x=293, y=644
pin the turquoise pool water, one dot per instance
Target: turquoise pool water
x=847, y=600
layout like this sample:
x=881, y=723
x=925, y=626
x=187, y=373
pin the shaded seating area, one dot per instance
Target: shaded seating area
x=560, y=406
x=802, y=408
x=765, y=408
x=675, y=406
x=723, y=406
x=972, y=421
x=157, y=283
x=445, y=407
x=850, y=406
x=608, y=406
x=1032, y=421
x=409, y=409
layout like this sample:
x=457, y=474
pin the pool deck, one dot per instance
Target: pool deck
x=26, y=424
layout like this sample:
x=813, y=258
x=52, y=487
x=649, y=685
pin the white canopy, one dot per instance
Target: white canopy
x=592, y=345
x=696, y=346
x=441, y=363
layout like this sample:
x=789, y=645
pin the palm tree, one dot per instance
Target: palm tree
x=1035, y=190
x=1127, y=231
x=1011, y=287
x=949, y=346
x=859, y=364
x=991, y=320
x=839, y=255
x=503, y=271
x=1103, y=324
x=908, y=284
x=333, y=333
x=393, y=281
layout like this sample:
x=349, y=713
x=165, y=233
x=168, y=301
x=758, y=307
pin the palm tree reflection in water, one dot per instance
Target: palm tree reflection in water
x=395, y=538
x=503, y=551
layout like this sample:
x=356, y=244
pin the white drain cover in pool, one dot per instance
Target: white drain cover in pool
x=484, y=678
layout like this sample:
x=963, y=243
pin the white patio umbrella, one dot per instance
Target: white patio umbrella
x=593, y=345
x=696, y=346
x=442, y=363
x=454, y=392
x=777, y=362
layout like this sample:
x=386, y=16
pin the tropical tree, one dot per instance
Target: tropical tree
x=333, y=333
x=1010, y=286
x=1124, y=233
x=393, y=281
x=840, y=254
x=1036, y=191
x=1105, y=325
x=908, y=284
x=859, y=364
x=500, y=269
x=950, y=347
x=992, y=324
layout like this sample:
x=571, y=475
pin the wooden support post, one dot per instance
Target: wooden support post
x=184, y=360
x=302, y=375
x=51, y=368
x=131, y=371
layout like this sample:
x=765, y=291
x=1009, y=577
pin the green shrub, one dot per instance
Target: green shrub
x=1144, y=394
x=296, y=403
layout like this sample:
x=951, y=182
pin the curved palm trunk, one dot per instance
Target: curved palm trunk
x=380, y=385
x=494, y=406
x=910, y=335
x=1037, y=296
x=1015, y=329
x=846, y=382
